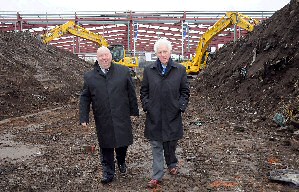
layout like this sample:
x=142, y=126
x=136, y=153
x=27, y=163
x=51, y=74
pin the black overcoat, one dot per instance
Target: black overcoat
x=113, y=100
x=164, y=98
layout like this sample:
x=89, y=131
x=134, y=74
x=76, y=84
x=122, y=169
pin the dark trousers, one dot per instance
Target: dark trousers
x=169, y=148
x=107, y=159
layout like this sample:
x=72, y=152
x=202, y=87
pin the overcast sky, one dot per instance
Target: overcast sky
x=54, y=6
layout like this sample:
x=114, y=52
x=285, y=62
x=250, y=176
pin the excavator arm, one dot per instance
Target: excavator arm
x=231, y=18
x=72, y=28
x=56, y=32
x=117, y=51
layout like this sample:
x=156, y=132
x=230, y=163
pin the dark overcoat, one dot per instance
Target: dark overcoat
x=164, y=98
x=113, y=100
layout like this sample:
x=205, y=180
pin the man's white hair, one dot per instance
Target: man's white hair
x=103, y=49
x=162, y=41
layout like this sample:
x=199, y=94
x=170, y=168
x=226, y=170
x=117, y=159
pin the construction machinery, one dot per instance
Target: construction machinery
x=199, y=61
x=118, y=51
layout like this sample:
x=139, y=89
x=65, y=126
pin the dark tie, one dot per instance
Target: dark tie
x=163, y=70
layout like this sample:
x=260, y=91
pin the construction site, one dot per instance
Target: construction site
x=241, y=127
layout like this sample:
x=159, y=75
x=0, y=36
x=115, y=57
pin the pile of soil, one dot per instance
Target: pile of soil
x=260, y=71
x=35, y=76
x=231, y=142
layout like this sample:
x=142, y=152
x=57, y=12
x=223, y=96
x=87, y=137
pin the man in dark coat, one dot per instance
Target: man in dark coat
x=111, y=92
x=164, y=95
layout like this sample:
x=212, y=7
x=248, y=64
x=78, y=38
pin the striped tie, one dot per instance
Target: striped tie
x=163, y=70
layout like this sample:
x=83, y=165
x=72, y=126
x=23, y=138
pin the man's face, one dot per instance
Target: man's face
x=163, y=53
x=104, y=58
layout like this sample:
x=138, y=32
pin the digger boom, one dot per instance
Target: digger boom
x=72, y=28
x=231, y=18
x=118, y=51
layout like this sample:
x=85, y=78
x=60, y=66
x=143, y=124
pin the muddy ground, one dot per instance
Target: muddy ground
x=231, y=141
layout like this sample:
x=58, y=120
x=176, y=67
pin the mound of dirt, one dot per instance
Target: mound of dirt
x=258, y=73
x=35, y=76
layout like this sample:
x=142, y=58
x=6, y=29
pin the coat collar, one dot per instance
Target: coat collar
x=98, y=68
x=171, y=64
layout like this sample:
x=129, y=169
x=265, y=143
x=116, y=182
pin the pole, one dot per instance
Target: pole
x=182, y=39
x=134, y=45
x=129, y=36
x=235, y=29
x=188, y=39
x=135, y=33
x=235, y=33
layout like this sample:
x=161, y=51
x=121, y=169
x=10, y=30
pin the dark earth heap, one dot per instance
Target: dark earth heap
x=35, y=76
x=269, y=56
x=231, y=141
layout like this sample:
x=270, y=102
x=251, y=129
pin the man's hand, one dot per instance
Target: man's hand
x=84, y=124
x=85, y=127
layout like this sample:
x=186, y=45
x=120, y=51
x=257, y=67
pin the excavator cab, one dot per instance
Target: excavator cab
x=119, y=57
x=117, y=51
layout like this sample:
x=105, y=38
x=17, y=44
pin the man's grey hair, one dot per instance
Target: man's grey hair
x=162, y=41
x=103, y=49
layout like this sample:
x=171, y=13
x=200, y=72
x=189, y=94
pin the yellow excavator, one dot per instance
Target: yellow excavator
x=118, y=51
x=199, y=61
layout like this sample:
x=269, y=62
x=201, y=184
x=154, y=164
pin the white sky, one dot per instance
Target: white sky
x=54, y=6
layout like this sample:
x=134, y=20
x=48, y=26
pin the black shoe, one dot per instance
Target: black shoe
x=122, y=168
x=106, y=180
